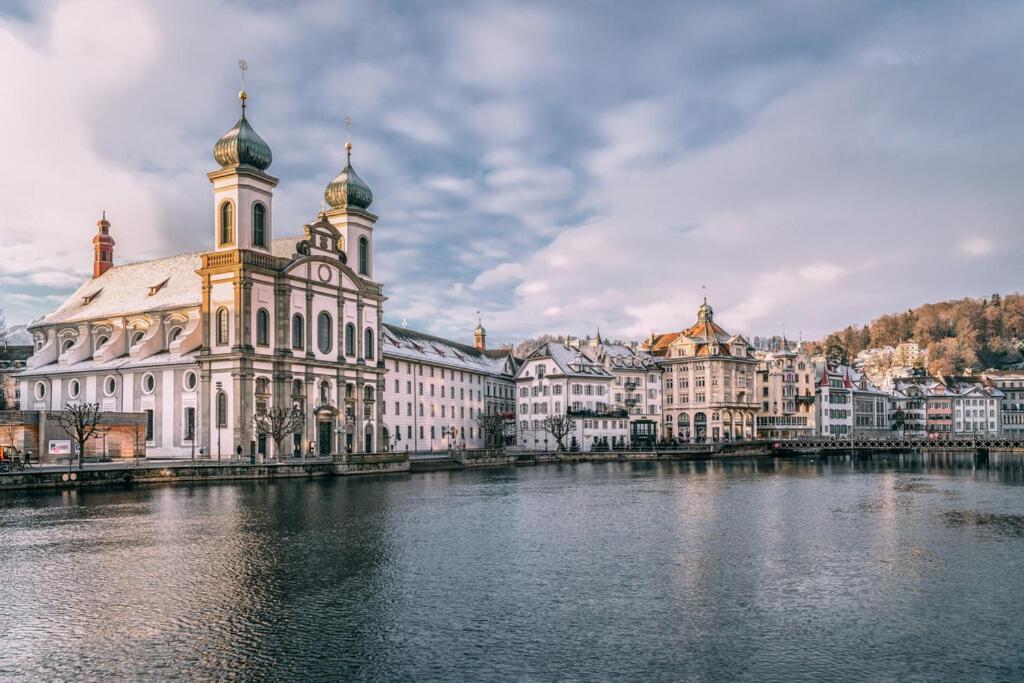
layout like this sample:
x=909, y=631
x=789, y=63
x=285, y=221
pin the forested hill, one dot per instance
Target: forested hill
x=959, y=335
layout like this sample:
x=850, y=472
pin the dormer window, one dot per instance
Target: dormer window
x=156, y=288
x=89, y=298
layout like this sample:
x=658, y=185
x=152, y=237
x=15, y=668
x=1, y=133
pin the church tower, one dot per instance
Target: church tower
x=480, y=336
x=242, y=190
x=349, y=198
x=102, y=248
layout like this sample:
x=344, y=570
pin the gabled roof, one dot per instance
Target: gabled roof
x=569, y=362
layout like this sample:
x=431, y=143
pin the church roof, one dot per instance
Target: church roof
x=128, y=289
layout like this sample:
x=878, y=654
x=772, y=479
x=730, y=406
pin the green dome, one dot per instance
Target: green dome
x=348, y=189
x=242, y=146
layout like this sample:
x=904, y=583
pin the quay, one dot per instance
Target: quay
x=152, y=471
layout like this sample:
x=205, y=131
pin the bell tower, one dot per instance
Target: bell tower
x=349, y=198
x=242, y=189
x=480, y=336
x=102, y=248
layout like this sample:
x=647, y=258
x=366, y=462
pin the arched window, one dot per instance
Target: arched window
x=364, y=256
x=350, y=340
x=173, y=334
x=325, y=392
x=298, y=333
x=262, y=385
x=227, y=223
x=368, y=343
x=297, y=388
x=222, y=409
x=259, y=225
x=323, y=332
x=137, y=337
x=66, y=346
x=262, y=327
x=222, y=326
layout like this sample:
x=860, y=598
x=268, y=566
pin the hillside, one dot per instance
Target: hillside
x=959, y=335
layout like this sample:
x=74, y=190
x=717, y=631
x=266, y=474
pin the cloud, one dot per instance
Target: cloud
x=977, y=246
x=821, y=165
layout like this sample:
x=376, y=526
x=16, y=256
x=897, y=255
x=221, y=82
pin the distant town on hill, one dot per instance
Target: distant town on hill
x=957, y=336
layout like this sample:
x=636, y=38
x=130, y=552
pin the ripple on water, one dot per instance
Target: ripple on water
x=1010, y=525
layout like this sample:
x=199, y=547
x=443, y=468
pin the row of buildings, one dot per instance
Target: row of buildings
x=202, y=343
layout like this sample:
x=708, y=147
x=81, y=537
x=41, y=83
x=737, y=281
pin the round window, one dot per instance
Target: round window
x=40, y=390
x=109, y=386
x=148, y=383
x=190, y=380
x=74, y=388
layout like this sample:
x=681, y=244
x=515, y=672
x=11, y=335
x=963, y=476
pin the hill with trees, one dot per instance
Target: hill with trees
x=959, y=335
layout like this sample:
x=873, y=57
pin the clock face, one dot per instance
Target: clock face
x=324, y=272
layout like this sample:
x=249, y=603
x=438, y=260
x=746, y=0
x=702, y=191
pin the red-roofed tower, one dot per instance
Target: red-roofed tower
x=102, y=248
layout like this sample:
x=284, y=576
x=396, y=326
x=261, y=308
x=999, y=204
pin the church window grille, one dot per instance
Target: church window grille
x=364, y=256
x=259, y=225
x=368, y=344
x=227, y=223
x=149, y=425
x=190, y=423
x=323, y=332
x=350, y=339
x=222, y=326
x=262, y=327
x=222, y=409
x=297, y=331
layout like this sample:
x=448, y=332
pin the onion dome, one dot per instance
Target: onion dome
x=242, y=146
x=348, y=190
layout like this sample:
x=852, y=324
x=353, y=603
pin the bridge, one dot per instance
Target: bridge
x=905, y=443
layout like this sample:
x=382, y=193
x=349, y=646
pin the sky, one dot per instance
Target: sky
x=557, y=166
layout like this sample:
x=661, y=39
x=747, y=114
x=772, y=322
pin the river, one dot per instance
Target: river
x=759, y=569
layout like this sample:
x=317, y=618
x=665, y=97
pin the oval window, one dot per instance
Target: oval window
x=74, y=388
x=190, y=380
x=148, y=383
x=40, y=390
x=109, y=386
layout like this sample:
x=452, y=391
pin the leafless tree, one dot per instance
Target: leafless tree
x=559, y=427
x=278, y=423
x=10, y=431
x=492, y=425
x=81, y=421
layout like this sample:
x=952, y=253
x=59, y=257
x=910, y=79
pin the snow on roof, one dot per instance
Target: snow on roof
x=122, y=363
x=570, y=361
x=124, y=290
x=420, y=347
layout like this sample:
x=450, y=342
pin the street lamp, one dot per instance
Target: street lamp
x=216, y=412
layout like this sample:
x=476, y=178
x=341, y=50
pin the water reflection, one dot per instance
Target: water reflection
x=760, y=568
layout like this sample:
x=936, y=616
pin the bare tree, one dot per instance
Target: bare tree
x=492, y=425
x=278, y=423
x=81, y=421
x=559, y=427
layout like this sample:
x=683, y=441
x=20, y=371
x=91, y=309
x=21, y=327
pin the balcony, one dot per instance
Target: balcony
x=613, y=412
x=630, y=384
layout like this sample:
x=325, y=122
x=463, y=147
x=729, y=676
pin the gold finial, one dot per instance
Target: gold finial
x=348, y=138
x=243, y=66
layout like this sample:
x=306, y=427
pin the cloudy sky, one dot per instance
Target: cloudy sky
x=559, y=166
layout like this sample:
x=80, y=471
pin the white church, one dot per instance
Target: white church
x=199, y=342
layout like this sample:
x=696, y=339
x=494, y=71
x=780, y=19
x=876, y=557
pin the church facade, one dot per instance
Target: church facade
x=201, y=342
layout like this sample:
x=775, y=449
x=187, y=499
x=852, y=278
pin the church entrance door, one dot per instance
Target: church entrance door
x=324, y=438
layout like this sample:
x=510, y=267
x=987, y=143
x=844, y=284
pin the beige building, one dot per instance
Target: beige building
x=784, y=386
x=708, y=382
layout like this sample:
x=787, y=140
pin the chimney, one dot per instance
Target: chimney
x=102, y=248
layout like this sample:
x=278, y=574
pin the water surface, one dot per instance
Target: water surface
x=748, y=569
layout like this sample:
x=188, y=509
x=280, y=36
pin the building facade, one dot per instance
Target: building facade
x=558, y=379
x=13, y=359
x=708, y=382
x=1011, y=385
x=437, y=390
x=201, y=342
x=784, y=387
